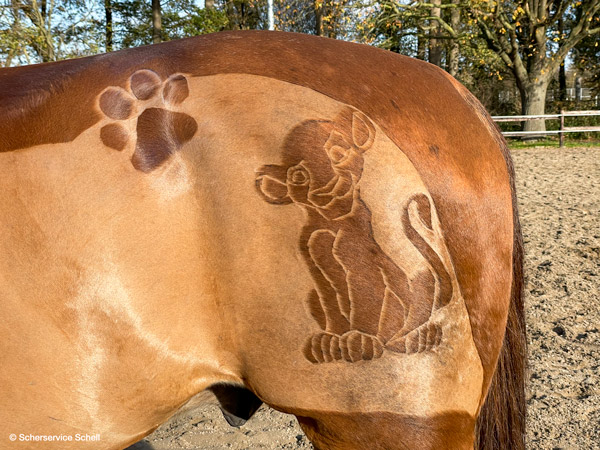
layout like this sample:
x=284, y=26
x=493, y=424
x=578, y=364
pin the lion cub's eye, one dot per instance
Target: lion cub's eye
x=297, y=175
x=338, y=154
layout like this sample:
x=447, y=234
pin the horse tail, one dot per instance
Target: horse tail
x=501, y=422
x=444, y=293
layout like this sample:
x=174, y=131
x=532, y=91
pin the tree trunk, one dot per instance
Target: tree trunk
x=562, y=83
x=435, y=45
x=453, y=54
x=156, y=22
x=318, y=17
x=42, y=42
x=534, y=103
x=421, y=47
x=108, y=25
x=209, y=4
x=46, y=28
x=16, y=30
x=232, y=17
x=562, y=73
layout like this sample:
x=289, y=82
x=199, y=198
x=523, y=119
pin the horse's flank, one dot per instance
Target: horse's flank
x=139, y=264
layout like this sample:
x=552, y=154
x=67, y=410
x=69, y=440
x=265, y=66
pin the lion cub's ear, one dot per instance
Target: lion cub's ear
x=363, y=131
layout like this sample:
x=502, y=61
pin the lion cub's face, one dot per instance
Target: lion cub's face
x=322, y=160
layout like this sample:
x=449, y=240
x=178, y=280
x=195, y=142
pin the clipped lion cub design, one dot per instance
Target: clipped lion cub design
x=354, y=278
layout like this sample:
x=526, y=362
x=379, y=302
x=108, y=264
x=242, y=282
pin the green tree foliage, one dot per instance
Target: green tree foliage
x=33, y=31
x=507, y=52
x=244, y=14
x=399, y=28
x=531, y=38
x=394, y=29
x=338, y=19
x=586, y=58
x=205, y=21
x=180, y=18
x=299, y=16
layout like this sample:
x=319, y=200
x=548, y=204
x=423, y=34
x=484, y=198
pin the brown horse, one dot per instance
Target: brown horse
x=322, y=226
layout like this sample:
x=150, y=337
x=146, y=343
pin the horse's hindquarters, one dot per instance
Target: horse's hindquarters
x=333, y=270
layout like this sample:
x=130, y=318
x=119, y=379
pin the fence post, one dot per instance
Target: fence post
x=561, y=135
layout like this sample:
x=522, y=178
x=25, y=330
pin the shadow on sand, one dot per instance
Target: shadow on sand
x=142, y=445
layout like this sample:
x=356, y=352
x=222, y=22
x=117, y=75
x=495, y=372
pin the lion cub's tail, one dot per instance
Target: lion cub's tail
x=436, y=284
x=422, y=204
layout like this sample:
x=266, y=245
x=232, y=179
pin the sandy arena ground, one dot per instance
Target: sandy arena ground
x=559, y=200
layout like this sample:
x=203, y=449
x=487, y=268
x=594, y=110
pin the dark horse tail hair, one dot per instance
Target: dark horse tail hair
x=501, y=422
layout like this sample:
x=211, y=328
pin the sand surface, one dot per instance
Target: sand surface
x=559, y=200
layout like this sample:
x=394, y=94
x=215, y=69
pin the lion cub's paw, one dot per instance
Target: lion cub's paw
x=423, y=338
x=358, y=346
x=323, y=347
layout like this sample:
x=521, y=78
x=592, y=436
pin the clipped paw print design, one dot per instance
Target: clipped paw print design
x=160, y=131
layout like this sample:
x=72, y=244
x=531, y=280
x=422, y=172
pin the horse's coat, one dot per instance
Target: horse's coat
x=340, y=241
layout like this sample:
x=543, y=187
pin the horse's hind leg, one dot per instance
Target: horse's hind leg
x=388, y=431
x=237, y=403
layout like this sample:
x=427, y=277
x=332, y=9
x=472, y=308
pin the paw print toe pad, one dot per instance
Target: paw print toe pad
x=176, y=89
x=145, y=84
x=116, y=103
x=114, y=136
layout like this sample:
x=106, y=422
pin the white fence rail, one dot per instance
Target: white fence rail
x=561, y=132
